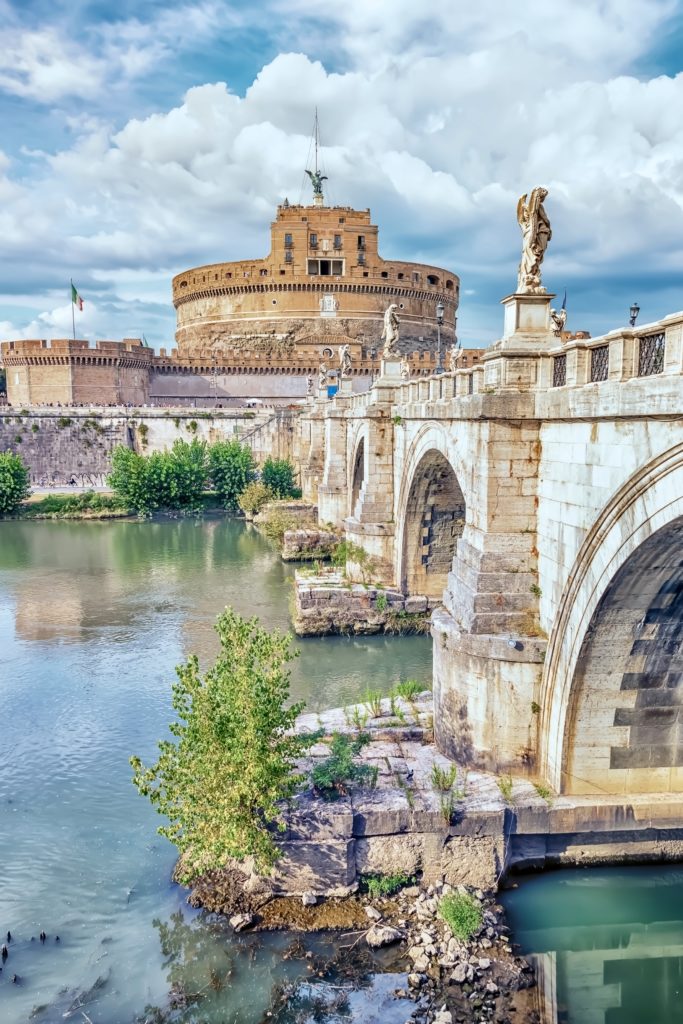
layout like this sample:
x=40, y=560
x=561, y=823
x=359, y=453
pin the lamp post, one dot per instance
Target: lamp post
x=373, y=354
x=439, y=325
x=634, y=311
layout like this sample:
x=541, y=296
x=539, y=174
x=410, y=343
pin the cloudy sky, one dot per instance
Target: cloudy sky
x=139, y=139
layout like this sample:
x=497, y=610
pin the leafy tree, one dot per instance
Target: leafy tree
x=254, y=496
x=188, y=473
x=278, y=476
x=231, y=468
x=221, y=779
x=13, y=482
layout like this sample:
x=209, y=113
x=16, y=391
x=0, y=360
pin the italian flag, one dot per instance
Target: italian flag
x=75, y=297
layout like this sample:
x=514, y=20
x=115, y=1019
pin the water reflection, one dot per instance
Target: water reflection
x=608, y=942
x=93, y=619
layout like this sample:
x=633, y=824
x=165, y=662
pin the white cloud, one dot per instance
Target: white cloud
x=438, y=124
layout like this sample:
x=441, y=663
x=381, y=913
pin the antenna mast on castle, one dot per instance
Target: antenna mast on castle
x=316, y=177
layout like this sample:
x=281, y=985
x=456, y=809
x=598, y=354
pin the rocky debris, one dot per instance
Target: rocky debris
x=373, y=914
x=309, y=899
x=382, y=935
x=241, y=921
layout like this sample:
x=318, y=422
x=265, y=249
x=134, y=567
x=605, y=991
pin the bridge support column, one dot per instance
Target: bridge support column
x=371, y=524
x=332, y=494
x=311, y=444
x=488, y=644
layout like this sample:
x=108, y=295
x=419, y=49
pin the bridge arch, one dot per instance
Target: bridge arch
x=613, y=681
x=357, y=469
x=432, y=516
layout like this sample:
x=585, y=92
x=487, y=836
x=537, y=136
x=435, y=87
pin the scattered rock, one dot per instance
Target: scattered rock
x=309, y=899
x=382, y=935
x=459, y=975
x=416, y=980
x=373, y=914
x=241, y=921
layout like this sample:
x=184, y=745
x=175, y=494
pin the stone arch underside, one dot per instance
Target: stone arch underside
x=624, y=729
x=358, y=476
x=433, y=521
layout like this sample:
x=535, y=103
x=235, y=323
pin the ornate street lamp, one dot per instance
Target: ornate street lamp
x=634, y=311
x=373, y=356
x=439, y=325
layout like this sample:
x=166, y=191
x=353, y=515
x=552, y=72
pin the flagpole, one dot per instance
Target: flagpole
x=73, y=315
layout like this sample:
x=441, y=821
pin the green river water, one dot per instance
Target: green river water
x=93, y=619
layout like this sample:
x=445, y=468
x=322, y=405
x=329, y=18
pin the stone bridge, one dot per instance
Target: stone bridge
x=541, y=494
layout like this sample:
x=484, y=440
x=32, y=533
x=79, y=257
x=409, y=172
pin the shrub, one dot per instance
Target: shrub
x=254, y=496
x=385, y=885
x=278, y=476
x=13, y=482
x=172, y=479
x=462, y=913
x=64, y=421
x=231, y=761
x=276, y=521
x=381, y=602
x=372, y=700
x=334, y=776
x=231, y=468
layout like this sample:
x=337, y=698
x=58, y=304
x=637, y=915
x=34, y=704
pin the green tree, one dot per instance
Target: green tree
x=13, y=482
x=189, y=469
x=278, y=476
x=221, y=779
x=231, y=468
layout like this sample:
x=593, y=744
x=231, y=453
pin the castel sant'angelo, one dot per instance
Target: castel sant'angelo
x=260, y=328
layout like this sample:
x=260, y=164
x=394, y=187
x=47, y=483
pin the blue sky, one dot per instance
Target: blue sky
x=143, y=138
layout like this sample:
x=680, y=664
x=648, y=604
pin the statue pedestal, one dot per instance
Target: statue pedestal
x=391, y=367
x=322, y=393
x=345, y=386
x=527, y=320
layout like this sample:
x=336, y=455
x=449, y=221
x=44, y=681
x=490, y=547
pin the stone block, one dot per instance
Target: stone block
x=415, y=604
x=310, y=818
x=466, y=860
x=398, y=854
x=315, y=867
x=380, y=812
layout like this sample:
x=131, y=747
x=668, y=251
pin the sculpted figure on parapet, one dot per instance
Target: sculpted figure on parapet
x=344, y=361
x=453, y=358
x=322, y=375
x=390, y=331
x=405, y=369
x=536, y=233
x=559, y=319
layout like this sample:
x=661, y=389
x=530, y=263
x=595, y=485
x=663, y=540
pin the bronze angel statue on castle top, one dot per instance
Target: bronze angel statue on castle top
x=317, y=180
x=536, y=233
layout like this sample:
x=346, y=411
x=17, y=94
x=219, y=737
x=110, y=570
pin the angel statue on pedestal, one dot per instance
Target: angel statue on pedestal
x=390, y=331
x=322, y=376
x=536, y=233
x=344, y=361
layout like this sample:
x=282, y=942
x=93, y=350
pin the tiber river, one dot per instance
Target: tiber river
x=93, y=619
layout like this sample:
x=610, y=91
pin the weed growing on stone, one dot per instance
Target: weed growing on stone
x=384, y=885
x=381, y=602
x=504, y=783
x=408, y=688
x=359, y=718
x=334, y=776
x=462, y=913
x=545, y=792
x=442, y=780
x=373, y=702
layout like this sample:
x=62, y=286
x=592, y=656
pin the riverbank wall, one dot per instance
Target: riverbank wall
x=326, y=602
x=63, y=444
x=426, y=819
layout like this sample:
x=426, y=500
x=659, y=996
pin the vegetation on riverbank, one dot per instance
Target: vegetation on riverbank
x=176, y=479
x=13, y=482
x=221, y=780
x=89, y=505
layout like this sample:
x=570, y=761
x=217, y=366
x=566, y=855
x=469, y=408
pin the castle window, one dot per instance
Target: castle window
x=183, y=284
x=313, y=241
x=288, y=240
x=361, y=259
x=228, y=273
x=432, y=278
x=449, y=285
x=400, y=276
x=263, y=273
x=361, y=241
x=342, y=220
x=288, y=256
x=337, y=241
x=385, y=274
x=365, y=273
x=325, y=268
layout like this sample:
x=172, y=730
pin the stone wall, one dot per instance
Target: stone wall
x=327, y=603
x=61, y=444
